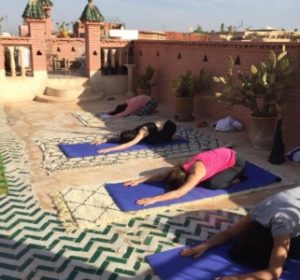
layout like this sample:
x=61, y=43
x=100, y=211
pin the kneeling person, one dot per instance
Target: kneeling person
x=265, y=238
x=217, y=168
x=151, y=133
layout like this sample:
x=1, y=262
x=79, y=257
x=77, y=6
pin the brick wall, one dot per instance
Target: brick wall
x=186, y=36
x=173, y=58
x=37, y=32
x=68, y=48
x=49, y=27
x=93, y=54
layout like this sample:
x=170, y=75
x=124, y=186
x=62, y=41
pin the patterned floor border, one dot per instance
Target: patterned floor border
x=34, y=245
x=55, y=160
x=89, y=206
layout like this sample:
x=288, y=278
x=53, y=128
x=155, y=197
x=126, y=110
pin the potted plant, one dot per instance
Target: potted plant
x=62, y=29
x=185, y=87
x=145, y=81
x=262, y=91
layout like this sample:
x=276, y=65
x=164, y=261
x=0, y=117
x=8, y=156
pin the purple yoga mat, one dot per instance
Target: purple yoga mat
x=87, y=149
x=126, y=197
x=169, y=265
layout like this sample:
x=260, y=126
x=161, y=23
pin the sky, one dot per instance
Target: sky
x=170, y=15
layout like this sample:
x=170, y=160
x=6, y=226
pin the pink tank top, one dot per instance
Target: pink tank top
x=215, y=161
x=133, y=104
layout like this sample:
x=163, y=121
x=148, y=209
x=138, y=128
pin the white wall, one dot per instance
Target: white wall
x=124, y=34
x=15, y=89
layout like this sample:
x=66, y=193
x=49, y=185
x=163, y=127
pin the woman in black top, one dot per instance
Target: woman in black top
x=151, y=133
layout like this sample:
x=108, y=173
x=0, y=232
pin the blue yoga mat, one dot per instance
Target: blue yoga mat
x=88, y=149
x=126, y=197
x=169, y=265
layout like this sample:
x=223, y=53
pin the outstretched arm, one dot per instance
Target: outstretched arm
x=151, y=178
x=281, y=245
x=193, y=179
x=137, y=139
x=219, y=238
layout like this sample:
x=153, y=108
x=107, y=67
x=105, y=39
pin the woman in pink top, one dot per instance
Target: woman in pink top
x=129, y=107
x=213, y=161
x=217, y=168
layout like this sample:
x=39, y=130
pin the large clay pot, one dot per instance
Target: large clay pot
x=184, y=108
x=261, y=132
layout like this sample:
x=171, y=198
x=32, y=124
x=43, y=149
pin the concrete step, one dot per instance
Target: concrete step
x=50, y=99
x=55, y=99
x=63, y=82
x=70, y=92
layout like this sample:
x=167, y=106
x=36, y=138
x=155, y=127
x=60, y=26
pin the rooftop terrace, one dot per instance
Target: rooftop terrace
x=36, y=244
x=57, y=222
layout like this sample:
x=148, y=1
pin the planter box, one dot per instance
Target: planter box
x=261, y=132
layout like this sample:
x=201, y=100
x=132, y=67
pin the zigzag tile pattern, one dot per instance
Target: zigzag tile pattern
x=33, y=244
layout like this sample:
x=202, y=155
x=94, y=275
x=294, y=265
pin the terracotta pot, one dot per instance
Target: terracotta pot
x=141, y=91
x=184, y=108
x=261, y=132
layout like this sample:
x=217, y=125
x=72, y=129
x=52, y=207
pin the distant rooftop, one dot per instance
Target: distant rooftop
x=266, y=28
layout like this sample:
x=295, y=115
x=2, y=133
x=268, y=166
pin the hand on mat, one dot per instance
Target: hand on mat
x=196, y=251
x=134, y=183
x=104, y=151
x=146, y=201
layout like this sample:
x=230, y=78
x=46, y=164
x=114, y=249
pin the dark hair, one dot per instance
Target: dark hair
x=127, y=135
x=253, y=247
x=176, y=178
x=119, y=109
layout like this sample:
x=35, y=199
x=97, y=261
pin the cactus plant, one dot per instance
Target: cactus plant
x=63, y=29
x=185, y=87
x=262, y=90
x=188, y=84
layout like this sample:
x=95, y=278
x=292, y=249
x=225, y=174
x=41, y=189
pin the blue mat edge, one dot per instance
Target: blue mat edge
x=285, y=275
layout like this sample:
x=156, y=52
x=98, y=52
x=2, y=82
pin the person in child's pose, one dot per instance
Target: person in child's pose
x=129, y=107
x=265, y=238
x=153, y=133
x=217, y=168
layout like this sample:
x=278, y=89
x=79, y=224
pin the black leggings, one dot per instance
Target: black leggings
x=169, y=129
x=227, y=177
x=254, y=247
x=162, y=136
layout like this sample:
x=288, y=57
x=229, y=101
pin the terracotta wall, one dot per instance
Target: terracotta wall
x=38, y=48
x=187, y=36
x=171, y=58
x=152, y=35
x=68, y=48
